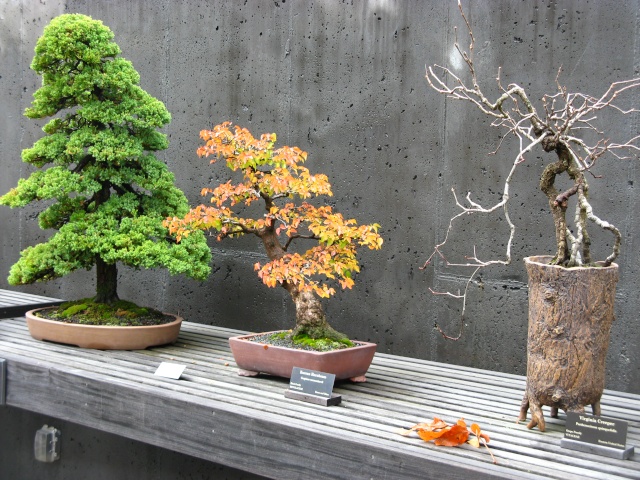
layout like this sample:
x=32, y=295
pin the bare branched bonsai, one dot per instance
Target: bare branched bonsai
x=564, y=125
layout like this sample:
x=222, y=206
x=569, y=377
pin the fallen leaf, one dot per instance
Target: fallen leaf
x=454, y=436
x=427, y=435
x=446, y=435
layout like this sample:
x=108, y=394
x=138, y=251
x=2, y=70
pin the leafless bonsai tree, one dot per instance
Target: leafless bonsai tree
x=565, y=125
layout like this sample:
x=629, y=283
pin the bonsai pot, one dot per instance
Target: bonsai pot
x=102, y=337
x=570, y=315
x=253, y=358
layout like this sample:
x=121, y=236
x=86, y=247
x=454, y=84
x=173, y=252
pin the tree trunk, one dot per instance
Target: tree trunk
x=310, y=317
x=570, y=315
x=106, y=282
x=564, y=164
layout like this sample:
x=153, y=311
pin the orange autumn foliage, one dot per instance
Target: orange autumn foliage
x=443, y=434
x=277, y=178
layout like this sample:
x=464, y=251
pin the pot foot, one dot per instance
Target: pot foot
x=537, y=417
x=524, y=408
x=358, y=379
x=247, y=373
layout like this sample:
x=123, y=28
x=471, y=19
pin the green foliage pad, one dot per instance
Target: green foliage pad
x=104, y=191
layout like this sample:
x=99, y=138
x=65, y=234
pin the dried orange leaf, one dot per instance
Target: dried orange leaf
x=474, y=442
x=456, y=435
x=427, y=436
x=437, y=423
x=475, y=428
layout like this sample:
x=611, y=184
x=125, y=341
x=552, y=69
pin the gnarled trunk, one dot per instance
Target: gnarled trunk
x=558, y=201
x=310, y=317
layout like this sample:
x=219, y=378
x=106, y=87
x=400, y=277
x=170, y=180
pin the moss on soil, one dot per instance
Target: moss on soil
x=121, y=313
x=304, y=341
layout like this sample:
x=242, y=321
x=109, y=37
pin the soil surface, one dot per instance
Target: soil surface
x=277, y=340
x=123, y=314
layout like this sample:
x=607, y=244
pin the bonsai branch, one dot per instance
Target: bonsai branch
x=566, y=126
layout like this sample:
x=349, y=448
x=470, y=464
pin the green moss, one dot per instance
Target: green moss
x=121, y=313
x=305, y=341
x=281, y=335
x=73, y=309
x=322, y=344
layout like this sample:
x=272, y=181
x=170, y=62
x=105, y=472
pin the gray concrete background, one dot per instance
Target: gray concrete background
x=344, y=80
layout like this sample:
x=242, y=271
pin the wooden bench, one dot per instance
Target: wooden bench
x=247, y=423
x=14, y=304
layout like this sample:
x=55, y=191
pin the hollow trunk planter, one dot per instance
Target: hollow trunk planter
x=253, y=358
x=102, y=337
x=570, y=315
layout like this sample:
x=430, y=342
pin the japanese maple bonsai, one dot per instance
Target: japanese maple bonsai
x=571, y=295
x=104, y=191
x=277, y=179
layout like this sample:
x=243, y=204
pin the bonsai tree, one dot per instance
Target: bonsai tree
x=105, y=193
x=565, y=126
x=275, y=177
x=571, y=310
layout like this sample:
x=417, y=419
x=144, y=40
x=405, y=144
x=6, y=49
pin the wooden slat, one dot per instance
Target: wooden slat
x=14, y=304
x=247, y=423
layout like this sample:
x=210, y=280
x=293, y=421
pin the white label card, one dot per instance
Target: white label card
x=170, y=370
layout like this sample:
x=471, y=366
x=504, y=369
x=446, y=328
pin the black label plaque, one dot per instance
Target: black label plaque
x=596, y=430
x=599, y=435
x=310, y=382
x=313, y=387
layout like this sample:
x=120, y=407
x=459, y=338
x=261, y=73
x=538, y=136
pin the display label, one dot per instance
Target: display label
x=602, y=431
x=311, y=382
x=170, y=370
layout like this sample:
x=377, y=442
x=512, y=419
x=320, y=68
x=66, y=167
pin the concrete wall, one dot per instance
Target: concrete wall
x=344, y=80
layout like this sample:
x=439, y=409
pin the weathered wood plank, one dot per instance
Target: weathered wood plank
x=247, y=423
x=14, y=304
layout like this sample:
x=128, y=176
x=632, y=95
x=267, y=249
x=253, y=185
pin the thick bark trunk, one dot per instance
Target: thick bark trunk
x=106, y=274
x=106, y=282
x=310, y=317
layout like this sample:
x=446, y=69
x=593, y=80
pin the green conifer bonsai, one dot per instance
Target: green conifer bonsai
x=104, y=191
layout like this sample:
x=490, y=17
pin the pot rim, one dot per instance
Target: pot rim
x=245, y=338
x=178, y=319
x=543, y=260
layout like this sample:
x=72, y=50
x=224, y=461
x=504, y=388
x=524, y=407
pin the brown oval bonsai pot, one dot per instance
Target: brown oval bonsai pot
x=253, y=358
x=102, y=337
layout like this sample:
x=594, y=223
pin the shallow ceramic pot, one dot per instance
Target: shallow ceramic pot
x=253, y=358
x=102, y=337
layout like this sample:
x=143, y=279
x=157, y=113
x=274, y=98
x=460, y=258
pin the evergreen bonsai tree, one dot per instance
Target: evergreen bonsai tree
x=105, y=192
x=274, y=178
